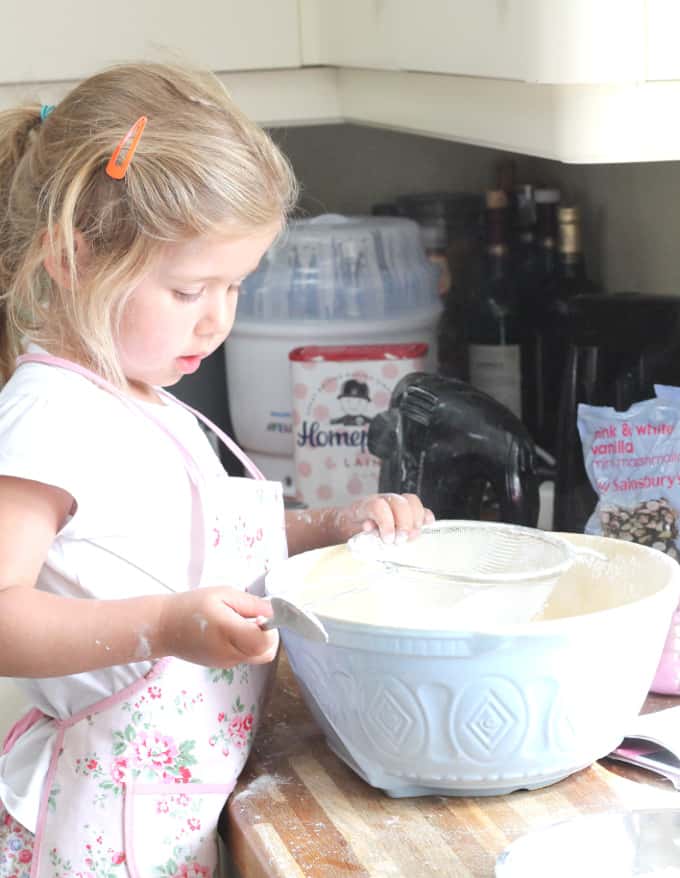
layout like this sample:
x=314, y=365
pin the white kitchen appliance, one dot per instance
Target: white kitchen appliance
x=331, y=280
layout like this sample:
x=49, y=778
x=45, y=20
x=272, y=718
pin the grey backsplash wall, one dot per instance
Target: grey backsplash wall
x=631, y=212
x=347, y=169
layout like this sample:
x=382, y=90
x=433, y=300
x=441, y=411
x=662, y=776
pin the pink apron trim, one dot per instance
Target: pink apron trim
x=159, y=667
x=49, y=360
x=20, y=726
x=131, y=791
x=100, y=706
x=231, y=445
x=61, y=726
x=34, y=714
x=128, y=834
x=44, y=803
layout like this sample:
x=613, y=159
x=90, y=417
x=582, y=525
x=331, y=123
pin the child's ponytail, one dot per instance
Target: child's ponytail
x=16, y=129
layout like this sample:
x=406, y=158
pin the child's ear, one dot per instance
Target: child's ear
x=55, y=257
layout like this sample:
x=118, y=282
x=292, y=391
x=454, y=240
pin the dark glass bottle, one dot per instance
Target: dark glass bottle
x=450, y=228
x=547, y=203
x=535, y=261
x=527, y=271
x=569, y=279
x=493, y=320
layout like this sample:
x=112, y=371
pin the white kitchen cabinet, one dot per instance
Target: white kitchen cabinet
x=69, y=39
x=573, y=124
x=540, y=41
x=581, y=81
x=663, y=27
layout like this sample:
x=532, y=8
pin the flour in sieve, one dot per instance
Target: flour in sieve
x=340, y=586
x=343, y=587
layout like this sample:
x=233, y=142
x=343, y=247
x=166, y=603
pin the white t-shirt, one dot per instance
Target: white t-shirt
x=130, y=534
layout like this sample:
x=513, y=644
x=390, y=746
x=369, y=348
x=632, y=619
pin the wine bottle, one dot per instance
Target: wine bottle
x=569, y=279
x=493, y=320
x=547, y=204
x=528, y=274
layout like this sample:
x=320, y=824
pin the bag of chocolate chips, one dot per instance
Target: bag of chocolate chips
x=632, y=459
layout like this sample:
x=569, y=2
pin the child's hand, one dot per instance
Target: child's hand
x=216, y=627
x=397, y=517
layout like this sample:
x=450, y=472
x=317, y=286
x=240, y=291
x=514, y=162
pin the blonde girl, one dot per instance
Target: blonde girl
x=129, y=560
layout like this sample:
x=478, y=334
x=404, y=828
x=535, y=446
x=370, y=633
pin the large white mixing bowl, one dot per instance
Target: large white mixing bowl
x=422, y=710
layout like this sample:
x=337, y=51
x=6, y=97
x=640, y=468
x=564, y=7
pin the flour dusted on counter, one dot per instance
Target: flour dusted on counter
x=632, y=459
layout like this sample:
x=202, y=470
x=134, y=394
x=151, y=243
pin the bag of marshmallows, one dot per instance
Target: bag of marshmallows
x=632, y=459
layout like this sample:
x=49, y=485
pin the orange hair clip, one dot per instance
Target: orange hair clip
x=118, y=164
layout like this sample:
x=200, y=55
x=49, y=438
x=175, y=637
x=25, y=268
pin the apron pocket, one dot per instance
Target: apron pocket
x=171, y=829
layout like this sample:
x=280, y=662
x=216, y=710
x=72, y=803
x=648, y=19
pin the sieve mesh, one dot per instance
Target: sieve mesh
x=472, y=551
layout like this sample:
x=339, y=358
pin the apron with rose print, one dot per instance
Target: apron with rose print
x=137, y=781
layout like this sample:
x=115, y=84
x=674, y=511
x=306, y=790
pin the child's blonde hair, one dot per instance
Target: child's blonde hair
x=200, y=167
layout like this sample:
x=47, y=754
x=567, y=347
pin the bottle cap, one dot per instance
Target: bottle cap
x=570, y=229
x=526, y=209
x=569, y=214
x=496, y=199
x=546, y=196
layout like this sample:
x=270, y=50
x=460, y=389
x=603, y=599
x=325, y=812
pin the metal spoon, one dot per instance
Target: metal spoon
x=286, y=614
x=291, y=616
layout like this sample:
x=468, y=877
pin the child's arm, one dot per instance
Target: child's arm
x=396, y=516
x=44, y=635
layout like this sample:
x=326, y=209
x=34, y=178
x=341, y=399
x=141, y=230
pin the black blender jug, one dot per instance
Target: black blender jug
x=619, y=346
x=464, y=454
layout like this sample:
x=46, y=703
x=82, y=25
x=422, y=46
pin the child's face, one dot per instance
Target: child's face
x=184, y=308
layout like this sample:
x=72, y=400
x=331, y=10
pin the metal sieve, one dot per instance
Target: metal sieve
x=474, y=552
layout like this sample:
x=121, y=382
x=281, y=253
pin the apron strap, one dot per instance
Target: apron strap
x=230, y=444
x=198, y=529
x=49, y=360
x=20, y=726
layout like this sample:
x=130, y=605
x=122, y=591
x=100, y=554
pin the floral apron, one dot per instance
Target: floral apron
x=137, y=781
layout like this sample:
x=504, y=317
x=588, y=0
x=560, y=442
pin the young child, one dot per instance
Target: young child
x=126, y=549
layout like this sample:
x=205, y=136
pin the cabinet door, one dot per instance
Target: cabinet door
x=546, y=41
x=70, y=39
x=663, y=23
x=349, y=33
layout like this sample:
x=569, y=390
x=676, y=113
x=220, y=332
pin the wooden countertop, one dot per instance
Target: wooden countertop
x=299, y=812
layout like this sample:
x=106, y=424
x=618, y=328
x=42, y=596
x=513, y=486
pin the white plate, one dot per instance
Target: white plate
x=638, y=844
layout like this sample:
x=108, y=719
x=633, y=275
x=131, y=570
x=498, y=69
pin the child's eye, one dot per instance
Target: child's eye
x=188, y=295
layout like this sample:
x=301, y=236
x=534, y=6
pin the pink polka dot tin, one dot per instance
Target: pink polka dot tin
x=336, y=390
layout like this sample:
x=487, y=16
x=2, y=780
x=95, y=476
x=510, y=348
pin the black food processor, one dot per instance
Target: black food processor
x=464, y=454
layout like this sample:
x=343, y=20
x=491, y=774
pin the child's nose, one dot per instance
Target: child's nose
x=218, y=316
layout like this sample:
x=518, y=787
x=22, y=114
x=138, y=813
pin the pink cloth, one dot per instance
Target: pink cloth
x=16, y=847
x=20, y=726
x=137, y=781
x=667, y=677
